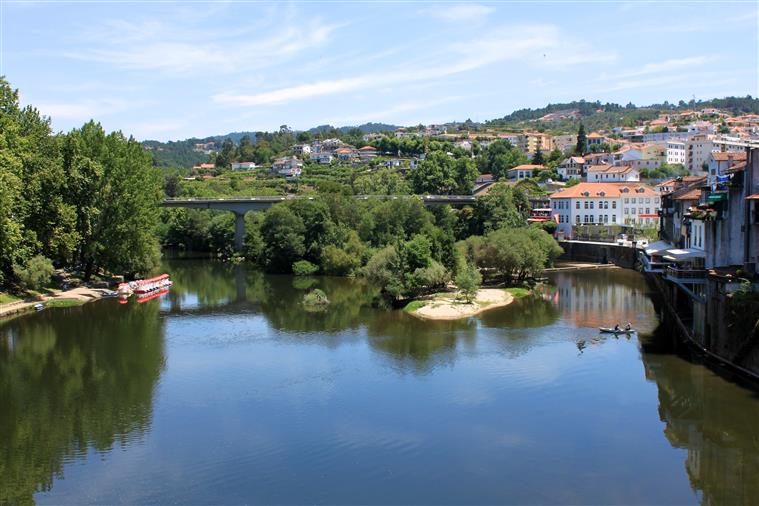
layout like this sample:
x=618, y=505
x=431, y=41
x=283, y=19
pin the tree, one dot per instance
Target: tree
x=468, y=281
x=537, y=158
x=282, y=232
x=582, y=141
x=227, y=154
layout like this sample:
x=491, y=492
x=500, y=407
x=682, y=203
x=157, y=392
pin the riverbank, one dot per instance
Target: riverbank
x=74, y=297
x=449, y=306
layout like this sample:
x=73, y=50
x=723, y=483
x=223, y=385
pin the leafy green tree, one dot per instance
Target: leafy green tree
x=498, y=158
x=468, y=281
x=283, y=235
x=246, y=150
x=227, y=154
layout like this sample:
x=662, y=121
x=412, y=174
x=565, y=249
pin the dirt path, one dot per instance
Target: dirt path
x=81, y=294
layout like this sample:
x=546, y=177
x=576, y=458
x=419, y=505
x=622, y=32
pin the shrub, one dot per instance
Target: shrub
x=304, y=268
x=36, y=273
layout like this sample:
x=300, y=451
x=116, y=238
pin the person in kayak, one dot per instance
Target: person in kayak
x=616, y=327
x=628, y=326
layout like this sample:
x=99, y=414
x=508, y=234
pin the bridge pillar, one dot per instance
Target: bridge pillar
x=239, y=230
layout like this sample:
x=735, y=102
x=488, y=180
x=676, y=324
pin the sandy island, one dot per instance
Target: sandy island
x=445, y=306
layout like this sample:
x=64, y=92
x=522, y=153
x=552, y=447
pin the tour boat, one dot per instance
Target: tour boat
x=144, y=286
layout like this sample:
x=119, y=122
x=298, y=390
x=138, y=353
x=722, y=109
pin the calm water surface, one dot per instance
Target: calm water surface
x=227, y=391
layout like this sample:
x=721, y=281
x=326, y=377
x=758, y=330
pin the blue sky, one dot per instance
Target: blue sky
x=179, y=69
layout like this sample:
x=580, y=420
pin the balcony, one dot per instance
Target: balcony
x=689, y=276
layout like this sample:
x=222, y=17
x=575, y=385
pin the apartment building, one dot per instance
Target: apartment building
x=626, y=203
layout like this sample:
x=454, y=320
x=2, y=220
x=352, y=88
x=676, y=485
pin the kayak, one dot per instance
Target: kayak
x=612, y=331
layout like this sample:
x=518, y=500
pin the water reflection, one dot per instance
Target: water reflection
x=73, y=381
x=280, y=404
x=716, y=421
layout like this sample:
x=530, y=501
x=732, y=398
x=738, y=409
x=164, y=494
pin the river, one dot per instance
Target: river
x=227, y=391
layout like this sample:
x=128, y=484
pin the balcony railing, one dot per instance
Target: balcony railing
x=680, y=275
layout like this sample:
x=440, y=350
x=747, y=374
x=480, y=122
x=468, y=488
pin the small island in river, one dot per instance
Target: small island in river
x=450, y=306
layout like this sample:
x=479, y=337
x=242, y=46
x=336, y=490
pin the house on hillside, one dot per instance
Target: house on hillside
x=288, y=166
x=366, y=153
x=571, y=167
x=612, y=173
x=321, y=157
x=524, y=171
x=243, y=165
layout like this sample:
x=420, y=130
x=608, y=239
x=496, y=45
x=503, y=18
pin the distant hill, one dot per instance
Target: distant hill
x=736, y=105
x=365, y=128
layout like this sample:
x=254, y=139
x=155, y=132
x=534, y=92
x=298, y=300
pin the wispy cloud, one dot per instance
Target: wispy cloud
x=459, y=12
x=508, y=43
x=672, y=65
x=154, y=45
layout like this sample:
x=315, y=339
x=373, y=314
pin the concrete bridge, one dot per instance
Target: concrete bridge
x=241, y=205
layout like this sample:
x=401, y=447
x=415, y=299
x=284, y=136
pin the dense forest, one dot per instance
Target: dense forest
x=85, y=199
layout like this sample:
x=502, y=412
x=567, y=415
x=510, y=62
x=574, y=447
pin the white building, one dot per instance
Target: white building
x=605, y=204
x=676, y=152
x=524, y=171
x=243, y=165
x=322, y=157
x=301, y=149
x=288, y=166
x=612, y=173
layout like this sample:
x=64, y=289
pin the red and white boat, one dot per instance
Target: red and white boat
x=144, y=286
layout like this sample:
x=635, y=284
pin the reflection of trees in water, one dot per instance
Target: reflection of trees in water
x=716, y=421
x=415, y=344
x=70, y=379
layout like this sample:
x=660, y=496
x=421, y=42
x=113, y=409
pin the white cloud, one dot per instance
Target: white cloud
x=192, y=49
x=671, y=65
x=459, y=12
x=507, y=43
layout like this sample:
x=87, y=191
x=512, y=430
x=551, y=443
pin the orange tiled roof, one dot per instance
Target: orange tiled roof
x=724, y=156
x=693, y=194
x=609, y=190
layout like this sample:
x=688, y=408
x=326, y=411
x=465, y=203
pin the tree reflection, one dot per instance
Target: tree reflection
x=71, y=380
x=716, y=421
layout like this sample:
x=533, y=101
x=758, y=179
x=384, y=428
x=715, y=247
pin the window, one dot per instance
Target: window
x=640, y=210
x=577, y=205
x=656, y=200
x=633, y=200
x=591, y=204
x=627, y=200
x=606, y=204
x=614, y=204
x=627, y=211
x=577, y=219
x=586, y=204
x=633, y=210
x=648, y=210
x=613, y=218
x=648, y=200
